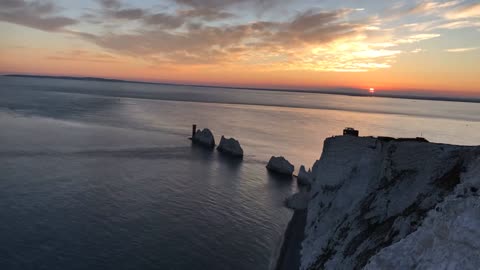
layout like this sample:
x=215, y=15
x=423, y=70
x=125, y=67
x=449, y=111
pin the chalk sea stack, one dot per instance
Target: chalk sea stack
x=304, y=177
x=280, y=165
x=230, y=146
x=204, y=137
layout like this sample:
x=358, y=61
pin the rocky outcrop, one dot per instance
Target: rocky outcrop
x=304, y=177
x=280, y=165
x=448, y=236
x=230, y=146
x=395, y=204
x=204, y=137
x=297, y=201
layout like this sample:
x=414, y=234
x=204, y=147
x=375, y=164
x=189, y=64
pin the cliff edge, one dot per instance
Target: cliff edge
x=393, y=204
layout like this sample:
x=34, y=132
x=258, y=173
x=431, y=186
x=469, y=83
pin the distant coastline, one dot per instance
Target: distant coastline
x=332, y=91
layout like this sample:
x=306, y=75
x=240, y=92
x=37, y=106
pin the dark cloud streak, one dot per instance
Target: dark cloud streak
x=109, y=3
x=38, y=15
x=161, y=19
x=207, y=14
x=165, y=20
x=11, y=4
x=129, y=14
x=220, y=4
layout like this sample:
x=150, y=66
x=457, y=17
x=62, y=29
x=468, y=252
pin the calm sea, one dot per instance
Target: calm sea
x=100, y=175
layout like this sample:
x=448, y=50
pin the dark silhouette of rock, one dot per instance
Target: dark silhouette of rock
x=304, y=177
x=280, y=165
x=297, y=201
x=204, y=137
x=230, y=146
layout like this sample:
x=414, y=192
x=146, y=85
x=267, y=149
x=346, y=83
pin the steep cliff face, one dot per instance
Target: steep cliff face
x=372, y=198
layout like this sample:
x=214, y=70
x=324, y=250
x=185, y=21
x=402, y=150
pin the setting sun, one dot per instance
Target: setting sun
x=312, y=45
x=372, y=90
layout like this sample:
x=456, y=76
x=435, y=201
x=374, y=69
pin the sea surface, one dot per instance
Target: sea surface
x=101, y=175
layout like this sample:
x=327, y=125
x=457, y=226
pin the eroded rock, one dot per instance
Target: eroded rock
x=230, y=146
x=297, y=201
x=280, y=165
x=204, y=137
x=304, y=177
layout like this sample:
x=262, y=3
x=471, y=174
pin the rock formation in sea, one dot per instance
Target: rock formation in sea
x=280, y=165
x=204, y=137
x=230, y=146
x=396, y=204
x=304, y=177
x=297, y=201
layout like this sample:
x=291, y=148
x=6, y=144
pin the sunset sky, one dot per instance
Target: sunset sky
x=388, y=45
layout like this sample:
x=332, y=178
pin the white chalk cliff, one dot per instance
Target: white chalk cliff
x=230, y=146
x=204, y=137
x=280, y=165
x=377, y=204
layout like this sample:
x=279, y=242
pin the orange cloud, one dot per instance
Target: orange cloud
x=217, y=42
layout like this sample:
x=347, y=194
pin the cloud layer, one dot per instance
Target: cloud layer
x=35, y=14
x=224, y=32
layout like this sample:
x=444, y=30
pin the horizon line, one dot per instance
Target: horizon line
x=358, y=92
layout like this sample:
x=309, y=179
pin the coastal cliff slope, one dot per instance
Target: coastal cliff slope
x=393, y=204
